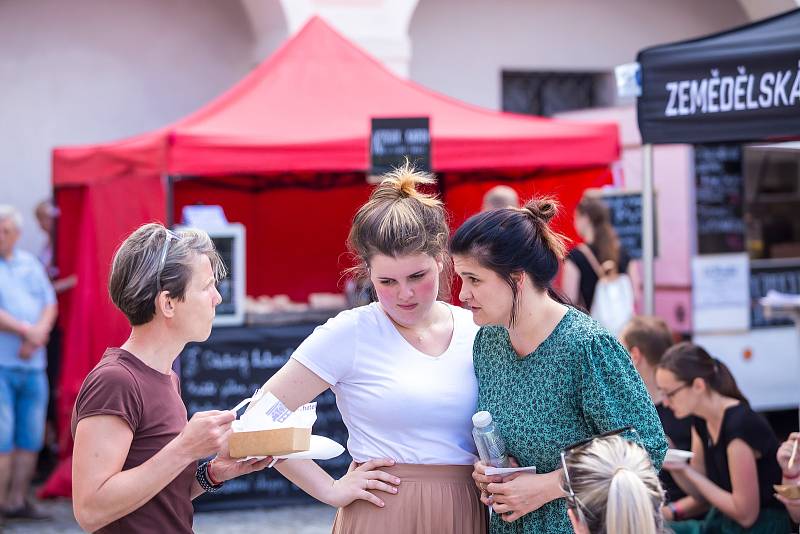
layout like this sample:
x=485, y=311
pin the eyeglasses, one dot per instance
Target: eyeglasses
x=669, y=394
x=572, y=500
x=169, y=237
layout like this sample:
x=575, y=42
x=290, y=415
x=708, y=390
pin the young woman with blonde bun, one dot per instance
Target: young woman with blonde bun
x=611, y=487
x=549, y=374
x=401, y=369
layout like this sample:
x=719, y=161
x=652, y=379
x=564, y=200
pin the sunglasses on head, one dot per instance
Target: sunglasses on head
x=572, y=501
x=170, y=235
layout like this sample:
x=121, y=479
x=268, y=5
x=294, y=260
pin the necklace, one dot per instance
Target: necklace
x=416, y=334
x=407, y=331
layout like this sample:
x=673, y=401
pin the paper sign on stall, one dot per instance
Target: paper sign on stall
x=721, y=292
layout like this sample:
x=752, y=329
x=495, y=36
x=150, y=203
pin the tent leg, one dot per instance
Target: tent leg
x=169, y=183
x=648, y=235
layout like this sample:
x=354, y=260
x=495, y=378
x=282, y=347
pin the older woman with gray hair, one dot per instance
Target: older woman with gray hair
x=135, y=459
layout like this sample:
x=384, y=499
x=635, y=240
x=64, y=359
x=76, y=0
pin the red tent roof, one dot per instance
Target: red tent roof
x=308, y=108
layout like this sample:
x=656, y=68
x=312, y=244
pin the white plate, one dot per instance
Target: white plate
x=678, y=455
x=321, y=448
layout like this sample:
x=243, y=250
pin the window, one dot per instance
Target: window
x=772, y=194
x=547, y=93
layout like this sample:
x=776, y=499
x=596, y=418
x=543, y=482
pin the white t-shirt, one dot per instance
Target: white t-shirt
x=396, y=401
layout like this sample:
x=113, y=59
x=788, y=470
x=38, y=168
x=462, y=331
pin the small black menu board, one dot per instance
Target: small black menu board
x=224, y=246
x=625, y=209
x=782, y=278
x=719, y=195
x=392, y=140
x=228, y=367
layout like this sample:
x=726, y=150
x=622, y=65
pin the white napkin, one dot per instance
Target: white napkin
x=778, y=299
x=267, y=412
x=508, y=470
x=678, y=455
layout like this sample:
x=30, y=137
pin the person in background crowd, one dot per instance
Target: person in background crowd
x=46, y=215
x=548, y=373
x=500, y=196
x=27, y=313
x=602, y=247
x=791, y=474
x=401, y=369
x=611, y=487
x=646, y=339
x=134, y=464
x=734, y=466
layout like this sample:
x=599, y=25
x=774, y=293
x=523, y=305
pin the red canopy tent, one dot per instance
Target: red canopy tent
x=285, y=152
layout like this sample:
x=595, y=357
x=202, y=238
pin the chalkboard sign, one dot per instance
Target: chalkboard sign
x=227, y=368
x=719, y=197
x=625, y=210
x=394, y=140
x=785, y=279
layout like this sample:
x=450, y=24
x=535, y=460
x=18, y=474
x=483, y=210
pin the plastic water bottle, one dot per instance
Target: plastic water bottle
x=491, y=447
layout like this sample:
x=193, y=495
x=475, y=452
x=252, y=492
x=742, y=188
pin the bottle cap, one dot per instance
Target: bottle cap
x=482, y=419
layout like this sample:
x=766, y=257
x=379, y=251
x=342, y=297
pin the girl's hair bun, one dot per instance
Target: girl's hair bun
x=543, y=208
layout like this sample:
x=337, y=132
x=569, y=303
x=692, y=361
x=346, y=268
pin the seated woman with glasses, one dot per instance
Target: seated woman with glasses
x=734, y=466
x=611, y=486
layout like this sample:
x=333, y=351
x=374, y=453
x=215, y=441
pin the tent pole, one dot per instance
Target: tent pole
x=647, y=230
x=170, y=185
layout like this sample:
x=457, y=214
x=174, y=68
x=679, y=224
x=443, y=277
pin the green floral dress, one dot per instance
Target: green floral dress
x=577, y=383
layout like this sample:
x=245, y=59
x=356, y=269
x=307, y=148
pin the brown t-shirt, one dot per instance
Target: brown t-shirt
x=150, y=402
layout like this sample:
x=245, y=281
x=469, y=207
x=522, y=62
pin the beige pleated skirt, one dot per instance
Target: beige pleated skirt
x=435, y=499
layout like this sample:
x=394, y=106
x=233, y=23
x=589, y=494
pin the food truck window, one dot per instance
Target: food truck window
x=772, y=200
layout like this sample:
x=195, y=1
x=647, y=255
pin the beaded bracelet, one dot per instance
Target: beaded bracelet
x=204, y=479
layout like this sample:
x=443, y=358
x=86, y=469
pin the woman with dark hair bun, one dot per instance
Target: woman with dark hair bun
x=733, y=467
x=549, y=374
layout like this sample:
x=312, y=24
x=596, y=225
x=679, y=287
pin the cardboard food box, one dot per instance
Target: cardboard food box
x=273, y=442
x=789, y=491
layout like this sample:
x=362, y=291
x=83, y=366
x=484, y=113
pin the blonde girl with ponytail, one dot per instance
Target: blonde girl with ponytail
x=401, y=369
x=611, y=487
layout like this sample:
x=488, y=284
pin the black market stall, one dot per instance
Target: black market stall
x=735, y=95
